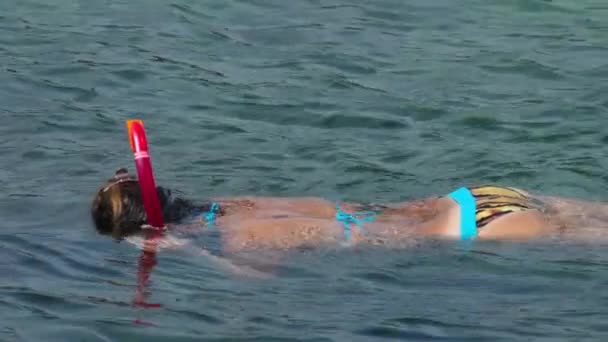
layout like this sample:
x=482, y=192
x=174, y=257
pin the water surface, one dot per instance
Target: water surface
x=369, y=101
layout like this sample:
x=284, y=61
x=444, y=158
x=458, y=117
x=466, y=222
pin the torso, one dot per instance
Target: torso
x=284, y=223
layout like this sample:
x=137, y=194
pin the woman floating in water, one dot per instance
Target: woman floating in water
x=247, y=223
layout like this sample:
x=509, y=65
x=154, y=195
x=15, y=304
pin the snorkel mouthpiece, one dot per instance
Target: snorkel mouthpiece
x=139, y=146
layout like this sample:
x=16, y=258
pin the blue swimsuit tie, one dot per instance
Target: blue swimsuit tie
x=467, y=203
x=211, y=214
x=356, y=218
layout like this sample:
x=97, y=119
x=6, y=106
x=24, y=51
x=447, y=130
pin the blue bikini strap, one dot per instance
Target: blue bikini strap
x=357, y=218
x=466, y=201
x=211, y=214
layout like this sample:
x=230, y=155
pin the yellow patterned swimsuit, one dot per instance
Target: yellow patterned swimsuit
x=482, y=204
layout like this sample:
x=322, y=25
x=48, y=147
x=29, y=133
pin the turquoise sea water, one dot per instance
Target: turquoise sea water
x=370, y=101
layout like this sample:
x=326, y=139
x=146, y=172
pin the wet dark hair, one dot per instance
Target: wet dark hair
x=118, y=210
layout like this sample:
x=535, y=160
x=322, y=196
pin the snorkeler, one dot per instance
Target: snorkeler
x=482, y=212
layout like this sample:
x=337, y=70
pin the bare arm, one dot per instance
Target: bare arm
x=422, y=210
x=169, y=242
x=312, y=207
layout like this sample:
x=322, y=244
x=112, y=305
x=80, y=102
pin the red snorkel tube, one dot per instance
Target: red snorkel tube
x=139, y=145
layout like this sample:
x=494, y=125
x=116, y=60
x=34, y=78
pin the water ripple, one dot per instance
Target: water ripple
x=374, y=101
